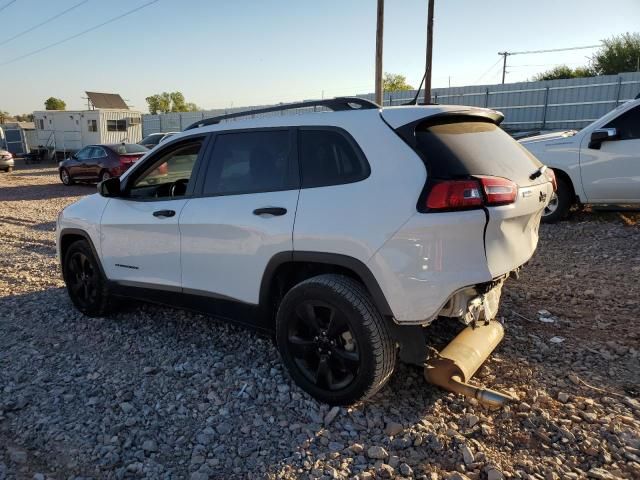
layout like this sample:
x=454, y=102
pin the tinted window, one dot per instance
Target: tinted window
x=97, y=152
x=463, y=148
x=84, y=153
x=627, y=124
x=117, y=125
x=250, y=162
x=124, y=148
x=151, y=139
x=327, y=157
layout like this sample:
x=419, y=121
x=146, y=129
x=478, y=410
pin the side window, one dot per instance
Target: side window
x=327, y=157
x=92, y=125
x=627, y=124
x=84, y=153
x=249, y=162
x=169, y=174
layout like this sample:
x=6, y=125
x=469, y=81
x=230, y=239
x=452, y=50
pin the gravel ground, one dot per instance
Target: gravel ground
x=160, y=393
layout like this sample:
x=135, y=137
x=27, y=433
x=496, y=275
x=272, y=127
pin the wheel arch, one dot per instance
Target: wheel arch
x=567, y=179
x=70, y=235
x=286, y=269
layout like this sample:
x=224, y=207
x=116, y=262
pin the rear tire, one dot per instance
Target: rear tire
x=9, y=169
x=560, y=203
x=332, y=339
x=87, y=287
x=65, y=177
x=104, y=175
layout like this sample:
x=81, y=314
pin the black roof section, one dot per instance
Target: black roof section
x=335, y=104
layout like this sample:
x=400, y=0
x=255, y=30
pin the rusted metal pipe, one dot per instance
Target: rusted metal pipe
x=459, y=361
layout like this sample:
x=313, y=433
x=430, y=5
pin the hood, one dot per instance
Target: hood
x=548, y=136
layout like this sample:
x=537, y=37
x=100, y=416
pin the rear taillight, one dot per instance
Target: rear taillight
x=551, y=175
x=454, y=194
x=464, y=194
x=498, y=190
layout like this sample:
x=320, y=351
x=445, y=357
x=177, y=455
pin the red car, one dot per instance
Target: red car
x=99, y=162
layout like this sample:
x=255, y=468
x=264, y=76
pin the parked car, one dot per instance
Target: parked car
x=100, y=162
x=6, y=161
x=402, y=215
x=154, y=139
x=598, y=165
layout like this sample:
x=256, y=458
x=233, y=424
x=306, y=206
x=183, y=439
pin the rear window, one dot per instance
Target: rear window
x=463, y=148
x=129, y=148
x=151, y=140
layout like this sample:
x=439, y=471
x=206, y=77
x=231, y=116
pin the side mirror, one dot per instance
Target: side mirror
x=601, y=135
x=110, y=187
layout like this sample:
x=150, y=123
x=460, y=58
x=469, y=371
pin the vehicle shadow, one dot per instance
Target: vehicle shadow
x=43, y=192
x=181, y=378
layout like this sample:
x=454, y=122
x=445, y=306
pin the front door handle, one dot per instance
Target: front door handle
x=275, y=211
x=164, y=213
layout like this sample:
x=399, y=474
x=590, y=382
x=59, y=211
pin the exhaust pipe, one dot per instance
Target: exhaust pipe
x=459, y=361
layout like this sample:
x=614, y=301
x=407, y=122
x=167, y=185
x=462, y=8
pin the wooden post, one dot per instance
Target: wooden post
x=427, y=82
x=504, y=64
x=379, y=32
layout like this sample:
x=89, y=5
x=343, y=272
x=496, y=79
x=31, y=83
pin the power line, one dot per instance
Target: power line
x=43, y=23
x=7, y=4
x=488, y=70
x=111, y=20
x=555, y=50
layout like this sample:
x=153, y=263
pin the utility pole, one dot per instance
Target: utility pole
x=427, y=81
x=504, y=64
x=379, y=31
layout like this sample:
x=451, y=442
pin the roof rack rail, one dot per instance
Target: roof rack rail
x=336, y=104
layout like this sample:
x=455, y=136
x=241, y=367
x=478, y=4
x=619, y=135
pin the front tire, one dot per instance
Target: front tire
x=560, y=203
x=86, y=285
x=65, y=177
x=333, y=340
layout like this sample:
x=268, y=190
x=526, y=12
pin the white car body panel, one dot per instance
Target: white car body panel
x=225, y=248
x=83, y=215
x=610, y=174
x=428, y=259
x=138, y=247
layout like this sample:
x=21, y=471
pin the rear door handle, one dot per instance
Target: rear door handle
x=275, y=211
x=164, y=213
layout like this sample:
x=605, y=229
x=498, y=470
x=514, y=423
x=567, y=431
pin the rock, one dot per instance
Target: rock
x=467, y=454
x=472, y=419
x=544, y=313
x=336, y=446
x=563, y=397
x=494, y=474
x=393, y=461
x=393, y=429
x=126, y=407
x=224, y=428
x=150, y=446
x=356, y=448
x=600, y=474
x=331, y=415
x=457, y=476
x=557, y=339
x=385, y=471
x=17, y=456
x=406, y=470
x=38, y=476
x=377, y=453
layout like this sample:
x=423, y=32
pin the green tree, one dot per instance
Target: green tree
x=562, y=71
x=25, y=117
x=392, y=82
x=620, y=53
x=4, y=116
x=166, y=102
x=53, y=103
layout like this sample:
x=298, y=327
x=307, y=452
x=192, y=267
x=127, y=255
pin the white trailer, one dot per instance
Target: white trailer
x=70, y=130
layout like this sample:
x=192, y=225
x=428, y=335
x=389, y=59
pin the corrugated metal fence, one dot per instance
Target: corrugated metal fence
x=551, y=104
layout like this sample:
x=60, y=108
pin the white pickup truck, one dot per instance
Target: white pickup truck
x=598, y=165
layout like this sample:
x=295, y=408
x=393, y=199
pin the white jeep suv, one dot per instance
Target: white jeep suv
x=342, y=232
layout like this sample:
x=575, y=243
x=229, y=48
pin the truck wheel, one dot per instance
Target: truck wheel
x=87, y=287
x=334, y=342
x=104, y=175
x=65, y=177
x=560, y=203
